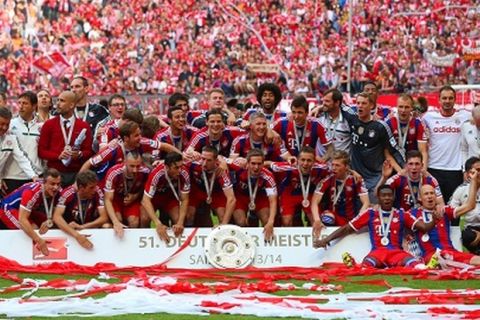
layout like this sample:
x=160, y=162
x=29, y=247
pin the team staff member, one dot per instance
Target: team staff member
x=44, y=105
x=444, y=154
x=80, y=207
x=124, y=186
x=58, y=136
x=26, y=128
x=168, y=189
x=471, y=231
x=10, y=148
x=91, y=113
x=256, y=191
x=335, y=119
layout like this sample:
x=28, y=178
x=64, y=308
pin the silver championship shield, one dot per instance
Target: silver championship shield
x=229, y=247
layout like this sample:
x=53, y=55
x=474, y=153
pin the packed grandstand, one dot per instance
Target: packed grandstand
x=159, y=47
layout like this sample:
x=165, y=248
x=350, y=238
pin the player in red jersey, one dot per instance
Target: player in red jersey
x=31, y=206
x=81, y=207
x=386, y=227
x=178, y=133
x=439, y=237
x=343, y=191
x=299, y=130
x=269, y=96
x=212, y=186
x=256, y=139
x=111, y=129
x=256, y=191
x=215, y=135
x=296, y=184
x=167, y=189
x=409, y=131
x=115, y=152
x=124, y=185
x=408, y=183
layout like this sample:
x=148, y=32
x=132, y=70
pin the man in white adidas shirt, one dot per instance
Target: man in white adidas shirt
x=9, y=147
x=26, y=127
x=444, y=156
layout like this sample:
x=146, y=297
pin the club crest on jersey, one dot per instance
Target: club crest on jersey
x=225, y=143
x=360, y=130
x=412, y=130
x=395, y=220
x=457, y=121
x=371, y=133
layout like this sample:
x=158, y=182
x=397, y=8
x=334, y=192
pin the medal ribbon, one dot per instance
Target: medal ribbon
x=85, y=115
x=385, y=228
x=297, y=139
x=125, y=182
x=82, y=213
x=170, y=184
x=414, y=196
x=48, y=209
x=402, y=137
x=208, y=186
x=252, y=195
x=305, y=189
x=179, y=146
x=67, y=138
x=337, y=193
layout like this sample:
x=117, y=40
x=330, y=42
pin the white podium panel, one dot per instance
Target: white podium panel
x=142, y=247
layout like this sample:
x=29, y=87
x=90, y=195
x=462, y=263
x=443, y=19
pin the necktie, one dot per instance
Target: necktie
x=66, y=124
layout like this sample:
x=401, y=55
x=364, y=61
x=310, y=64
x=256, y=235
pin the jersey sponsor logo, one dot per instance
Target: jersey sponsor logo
x=446, y=129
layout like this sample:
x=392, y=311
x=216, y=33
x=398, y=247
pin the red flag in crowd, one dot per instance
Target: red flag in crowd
x=54, y=63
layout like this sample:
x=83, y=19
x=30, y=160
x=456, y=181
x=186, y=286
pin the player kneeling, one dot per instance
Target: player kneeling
x=438, y=239
x=80, y=207
x=386, y=227
x=124, y=185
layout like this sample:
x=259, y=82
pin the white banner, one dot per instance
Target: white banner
x=142, y=247
x=263, y=67
x=444, y=61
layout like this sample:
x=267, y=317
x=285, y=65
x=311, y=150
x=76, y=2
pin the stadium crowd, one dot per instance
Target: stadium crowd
x=80, y=165
x=160, y=47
